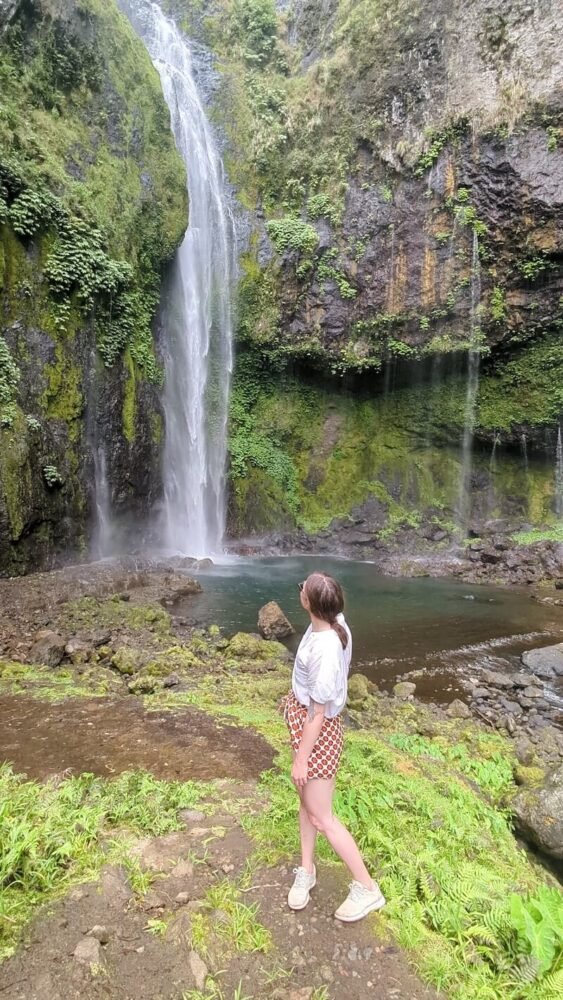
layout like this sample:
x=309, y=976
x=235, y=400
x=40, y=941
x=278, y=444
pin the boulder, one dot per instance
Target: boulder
x=145, y=684
x=253, y=647
x=126, y=660
x=359, y=690
x=273, y=623
x=88, y=951
x=48, y=648
x=546, y=662
x=458, y=710
x=404, y=689
x=525, y=752
x=497, y=679
x=78, y=651
x=538, y=813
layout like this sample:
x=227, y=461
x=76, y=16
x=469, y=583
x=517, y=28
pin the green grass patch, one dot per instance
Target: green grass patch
x=227, y=917
x=554, y=534
x=56, y=834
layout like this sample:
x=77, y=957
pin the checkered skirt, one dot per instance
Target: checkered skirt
x=325, y=755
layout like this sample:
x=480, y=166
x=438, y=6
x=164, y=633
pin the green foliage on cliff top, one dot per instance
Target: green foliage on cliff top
x=88, y=167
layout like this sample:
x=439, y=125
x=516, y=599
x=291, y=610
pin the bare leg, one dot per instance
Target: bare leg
x=316, y=798
x=308, y=834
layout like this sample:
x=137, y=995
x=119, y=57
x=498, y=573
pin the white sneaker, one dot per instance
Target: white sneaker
x=359, y=902
x=299, y=894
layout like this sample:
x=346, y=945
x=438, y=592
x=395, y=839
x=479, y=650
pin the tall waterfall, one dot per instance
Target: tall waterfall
x=559, y=475
x=197, y=316
x=472, y=388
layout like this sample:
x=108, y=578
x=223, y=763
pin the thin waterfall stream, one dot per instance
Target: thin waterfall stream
x=197, y=316
x=559, y=474
x=472, y=388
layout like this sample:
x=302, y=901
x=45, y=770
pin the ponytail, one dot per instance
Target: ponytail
x=341, y=633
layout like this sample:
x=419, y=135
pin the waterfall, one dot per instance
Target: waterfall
x=103, y=533
x=197, y=319
x=493, y=469
x=559, y=475
x=524, y=442
x=472, y=387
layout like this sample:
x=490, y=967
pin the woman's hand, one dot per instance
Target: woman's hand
x=299, y=772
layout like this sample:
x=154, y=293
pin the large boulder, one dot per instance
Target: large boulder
x=546, y=662
x=48, y=648
x=457, y=709
x=538, y=814
x=404, y=689
x=253, y=647
x=127, y=660
x=360, y=688
x=273, y=623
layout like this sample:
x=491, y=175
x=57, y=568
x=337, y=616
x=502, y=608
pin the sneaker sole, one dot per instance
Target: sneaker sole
x=307, y=901
x=371, y=908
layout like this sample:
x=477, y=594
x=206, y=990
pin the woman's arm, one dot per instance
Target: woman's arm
x=311, y=732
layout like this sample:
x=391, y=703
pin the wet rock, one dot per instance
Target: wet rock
x=126, y=660
x=546, y=662
x=78, y=651
x=458, y=710
x=532, y=692
x=100, y=932
x=525, y=680
x=273, y=623
x=359, y=690
x=480, y=693
x=538, y=814
x=88, y=952
x=203, y=564
x=404, y=689
x=198, y=968
x=496, y=679
x=48, y=648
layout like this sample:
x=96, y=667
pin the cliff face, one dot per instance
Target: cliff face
x=403, y=169
x=92, y=205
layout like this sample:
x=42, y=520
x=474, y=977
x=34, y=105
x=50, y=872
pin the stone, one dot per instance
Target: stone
x=529, y=776
x=204, y=564
x=479, y=693
x=48, y=648
x=253, y=647
x=198, y=968
x=359, y=690
x=524, y=751
x=77, y=651
x=182, y=898
x=546, y=662
x=458, y=710
x=100, y=932
x=171, y=681
x=273, y=623
x=497, y=679
x=538, y=813
x=126, y=660
x=532, y=692
x=404, y=689
x=525, y=680
x=191, y=816
x=88, y=951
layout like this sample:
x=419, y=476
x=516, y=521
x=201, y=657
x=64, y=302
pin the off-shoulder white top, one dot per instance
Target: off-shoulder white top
x=320, y=671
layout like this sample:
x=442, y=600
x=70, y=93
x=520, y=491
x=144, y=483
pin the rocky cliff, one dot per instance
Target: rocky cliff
x=92, y=206
x=402, y=166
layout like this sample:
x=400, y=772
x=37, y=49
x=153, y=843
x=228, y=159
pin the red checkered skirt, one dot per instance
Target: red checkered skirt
x=325, y=755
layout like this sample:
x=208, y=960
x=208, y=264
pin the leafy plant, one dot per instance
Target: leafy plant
x=52, y=476
x=9, y=382
x=291, y=233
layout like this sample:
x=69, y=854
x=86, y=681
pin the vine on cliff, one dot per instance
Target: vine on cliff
x=9, y=381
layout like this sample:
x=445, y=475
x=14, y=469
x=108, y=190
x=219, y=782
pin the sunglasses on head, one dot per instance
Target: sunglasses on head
x=301, y=586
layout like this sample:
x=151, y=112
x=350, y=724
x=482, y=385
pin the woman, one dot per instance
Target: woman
x=312, y=713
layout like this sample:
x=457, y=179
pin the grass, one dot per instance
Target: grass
x=227, y=918
x=54, y=835
x=554, y=534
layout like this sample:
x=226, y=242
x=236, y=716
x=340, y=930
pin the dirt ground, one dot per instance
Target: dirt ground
x=106, y=736
x=62, y=960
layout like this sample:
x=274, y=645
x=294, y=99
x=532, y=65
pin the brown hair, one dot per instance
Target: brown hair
x=326, y=601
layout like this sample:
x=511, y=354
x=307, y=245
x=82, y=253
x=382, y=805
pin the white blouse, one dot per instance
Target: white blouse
x=320, y=672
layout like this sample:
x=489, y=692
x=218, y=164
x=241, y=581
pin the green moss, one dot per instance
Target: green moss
x=130, y=399
x=15, y=473
x=63, y=398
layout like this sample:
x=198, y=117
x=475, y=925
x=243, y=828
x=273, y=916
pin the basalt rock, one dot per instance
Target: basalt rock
x=273, y=623
x=48, y=648
x=538, y=814
x=546, y=662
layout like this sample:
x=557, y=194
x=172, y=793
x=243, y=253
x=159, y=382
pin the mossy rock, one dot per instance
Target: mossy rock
x=126, y=660
x=250, y=647
x=144, y=685
x=214, y=631
x=360, y=689
x=176, y=659
x=530, y=777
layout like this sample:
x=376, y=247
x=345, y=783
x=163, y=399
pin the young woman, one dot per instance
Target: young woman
x=312, y=713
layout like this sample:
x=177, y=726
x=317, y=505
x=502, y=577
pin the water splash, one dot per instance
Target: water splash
x=472, y=388
x=559, y=474
x=524, y=442
x=198, y=321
